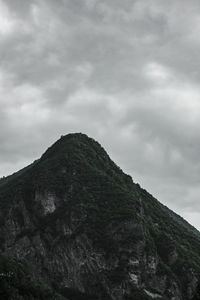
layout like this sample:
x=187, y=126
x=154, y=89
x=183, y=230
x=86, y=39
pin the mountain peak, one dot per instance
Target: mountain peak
x=79, y=152
x=89, y=232
x=69, y=143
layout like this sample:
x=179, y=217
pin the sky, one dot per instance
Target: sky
x=124, y=72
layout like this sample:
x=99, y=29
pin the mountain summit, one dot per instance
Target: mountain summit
x=85, y=229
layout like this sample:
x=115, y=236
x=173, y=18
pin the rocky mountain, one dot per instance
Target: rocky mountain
x=73, y=221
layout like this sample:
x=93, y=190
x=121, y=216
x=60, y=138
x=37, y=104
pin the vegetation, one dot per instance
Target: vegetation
x=101, y=196
x=16, y=283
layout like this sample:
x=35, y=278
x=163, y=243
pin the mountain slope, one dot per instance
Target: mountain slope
x=16, y=282
x=87, y=230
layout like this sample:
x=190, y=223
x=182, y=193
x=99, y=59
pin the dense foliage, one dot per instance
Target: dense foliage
x=99, y=195
x=16, y=282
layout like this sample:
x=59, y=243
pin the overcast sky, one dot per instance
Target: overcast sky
x=126, y=73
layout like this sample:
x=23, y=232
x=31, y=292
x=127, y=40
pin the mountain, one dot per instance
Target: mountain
x=85, y=230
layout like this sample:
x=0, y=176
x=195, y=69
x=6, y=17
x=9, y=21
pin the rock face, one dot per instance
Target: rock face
x=86, y=229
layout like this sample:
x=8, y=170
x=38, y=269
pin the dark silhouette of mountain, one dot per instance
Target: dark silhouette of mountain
x=87, y=231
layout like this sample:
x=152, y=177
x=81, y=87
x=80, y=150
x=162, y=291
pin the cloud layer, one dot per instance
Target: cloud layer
x=124, y=72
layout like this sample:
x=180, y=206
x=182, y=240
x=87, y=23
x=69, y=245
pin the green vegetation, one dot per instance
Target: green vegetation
x=16, y=283
x=100, y=196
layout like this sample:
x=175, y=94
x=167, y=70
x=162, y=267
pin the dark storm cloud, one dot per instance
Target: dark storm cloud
x=125, y=72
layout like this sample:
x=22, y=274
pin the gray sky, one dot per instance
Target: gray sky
x=124, y=72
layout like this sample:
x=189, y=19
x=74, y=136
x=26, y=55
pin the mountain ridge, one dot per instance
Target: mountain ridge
x=84, y=225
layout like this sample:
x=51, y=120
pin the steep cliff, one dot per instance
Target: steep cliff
x=86, y=230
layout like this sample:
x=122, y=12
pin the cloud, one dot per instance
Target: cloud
x=124, y=72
